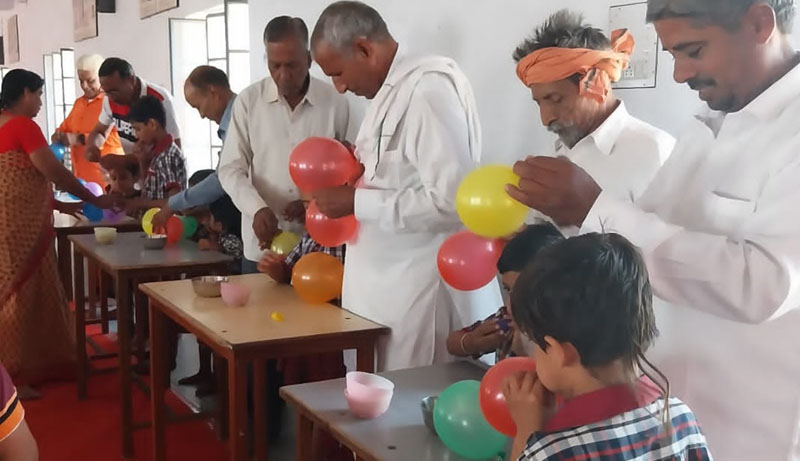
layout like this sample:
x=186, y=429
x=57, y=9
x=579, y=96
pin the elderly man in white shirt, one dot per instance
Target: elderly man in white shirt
x=719, y=226
x=270, y=118
x=420, y=136
x=560, y=64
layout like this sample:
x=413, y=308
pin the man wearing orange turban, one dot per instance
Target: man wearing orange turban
x=569, y=67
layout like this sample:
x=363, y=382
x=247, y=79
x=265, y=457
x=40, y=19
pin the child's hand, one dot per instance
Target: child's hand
x=207, y=245
x=531, y=405
x=272, y=264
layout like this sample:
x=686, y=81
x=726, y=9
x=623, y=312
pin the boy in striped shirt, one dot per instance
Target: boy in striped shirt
x=586, y=303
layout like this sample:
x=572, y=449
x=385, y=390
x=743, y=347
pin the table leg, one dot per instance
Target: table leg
x=91, y=275
x=303, y=440
x=80, y=328
x=260, y=411
x=237, y=408
x=365, y=357
x=64, y=263
x=104, y=317
x=124, y=335
x=221, y=375
x=160, y=381
x=140, y=309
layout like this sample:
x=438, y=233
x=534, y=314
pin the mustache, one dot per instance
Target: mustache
x=698, y=84
x=560, y=127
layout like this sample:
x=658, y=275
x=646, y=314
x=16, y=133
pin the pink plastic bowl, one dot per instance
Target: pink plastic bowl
x=368, y=407
x=234, y=294
x=368, y=386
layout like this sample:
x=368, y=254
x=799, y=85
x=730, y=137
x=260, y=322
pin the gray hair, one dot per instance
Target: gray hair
x=343, y=22
x=89, y=63
x=564, y=29
x=725, y=13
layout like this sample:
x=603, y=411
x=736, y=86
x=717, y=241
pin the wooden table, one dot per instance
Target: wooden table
x=399, y=434
x=248, y=335
x=128, y=263
x=65, y=226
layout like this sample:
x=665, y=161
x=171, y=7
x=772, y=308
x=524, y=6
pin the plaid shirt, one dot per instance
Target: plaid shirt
x=309, y=245
x=167, y=170
x=591, y=426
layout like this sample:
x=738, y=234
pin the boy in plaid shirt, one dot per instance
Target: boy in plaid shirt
x=161, y=160
x=586, y=303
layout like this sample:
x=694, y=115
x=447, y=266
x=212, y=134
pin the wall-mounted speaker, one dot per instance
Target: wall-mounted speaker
x=106, y=6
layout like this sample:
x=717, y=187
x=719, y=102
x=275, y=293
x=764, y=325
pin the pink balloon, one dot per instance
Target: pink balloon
x=94, y=188
x=467, y=261
x=317, y=163
x=329, y=232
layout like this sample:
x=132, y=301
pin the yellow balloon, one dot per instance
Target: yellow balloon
x=284, y=243
x=485, y=207
x=147, y=220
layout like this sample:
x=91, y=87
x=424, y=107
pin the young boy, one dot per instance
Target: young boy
x=123, y=177
x=495, y=333
x=159, y=157
x=586, y=303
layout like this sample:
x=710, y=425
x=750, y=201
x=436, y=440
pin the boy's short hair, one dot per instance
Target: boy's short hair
x=521, y=249
x=127, y=163
x=148, y=108
x=590, y=291
x=224, y=211
x=198, y=176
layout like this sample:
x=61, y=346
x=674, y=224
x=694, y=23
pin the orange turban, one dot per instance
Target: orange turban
x=597, y=68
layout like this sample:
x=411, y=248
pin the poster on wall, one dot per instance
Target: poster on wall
x=84, y=18
x=164, y=5
x=147, y=8
x=642, y=70
x=12, y=38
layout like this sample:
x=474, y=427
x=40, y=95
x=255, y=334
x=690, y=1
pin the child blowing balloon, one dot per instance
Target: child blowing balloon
x=586, y=303
x=497, y=333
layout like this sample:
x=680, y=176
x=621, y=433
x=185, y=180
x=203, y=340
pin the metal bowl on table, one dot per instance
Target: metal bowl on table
x=155, y=242
x=427, y=411
x=208, y=286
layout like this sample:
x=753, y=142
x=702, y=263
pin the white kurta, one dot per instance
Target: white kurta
x=419, y=138
x=720, y=231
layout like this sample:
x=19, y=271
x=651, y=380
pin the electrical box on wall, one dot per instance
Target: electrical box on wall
x=641, y=71
x=106, y=6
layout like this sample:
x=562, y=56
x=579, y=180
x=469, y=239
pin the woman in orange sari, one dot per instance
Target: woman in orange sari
x=36, y=341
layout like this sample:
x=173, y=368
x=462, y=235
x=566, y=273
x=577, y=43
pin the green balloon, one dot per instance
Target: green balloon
x=461, y=425
x=189, y=226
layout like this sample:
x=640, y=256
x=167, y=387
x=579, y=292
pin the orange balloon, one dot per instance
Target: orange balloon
x=317, y=278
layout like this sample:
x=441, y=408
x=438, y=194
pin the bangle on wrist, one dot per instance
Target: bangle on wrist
x=463, y=349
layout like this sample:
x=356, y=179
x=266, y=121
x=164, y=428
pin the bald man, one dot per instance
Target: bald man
x=419, y=138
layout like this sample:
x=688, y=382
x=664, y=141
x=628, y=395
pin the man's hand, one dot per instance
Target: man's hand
x=71, y=208
x=531, y=405
x=92, y=153
x=273, y=265
x=336, y=202
x=295, y=211
x=60, y=138
x=265, y=226
x=108, y=202
x=160, y=219
x=556, y=187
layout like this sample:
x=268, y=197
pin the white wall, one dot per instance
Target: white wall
x=481, y=35
x=46, y=26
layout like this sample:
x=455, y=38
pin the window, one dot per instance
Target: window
x=218, y=37
x=59, y=88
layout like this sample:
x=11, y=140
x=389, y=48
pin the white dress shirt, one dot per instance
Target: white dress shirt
x=419, y=138
x=254, y=167
x=719, y=227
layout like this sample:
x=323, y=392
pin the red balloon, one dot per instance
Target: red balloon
x=467, y=261
x=492, y=400
x=317, y=163
x=329, y=232
x=174, y=229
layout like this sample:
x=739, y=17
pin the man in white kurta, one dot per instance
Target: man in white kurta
x=595, y=130
x=420, y=136
x=719, y=226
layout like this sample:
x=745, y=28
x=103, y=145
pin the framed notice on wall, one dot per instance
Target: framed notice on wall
x=12, y=38
x=149, y=8
x=84, y=18
x=643, y=67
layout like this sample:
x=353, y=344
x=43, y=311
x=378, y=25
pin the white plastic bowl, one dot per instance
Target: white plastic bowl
x=105, y=235
x=368, y=407
x=368, y=386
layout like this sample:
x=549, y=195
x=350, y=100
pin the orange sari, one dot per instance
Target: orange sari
x=36, y=341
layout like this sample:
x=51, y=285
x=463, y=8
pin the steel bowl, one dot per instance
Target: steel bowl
x=427, y=411
x=208, y=286
x=155, y=242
